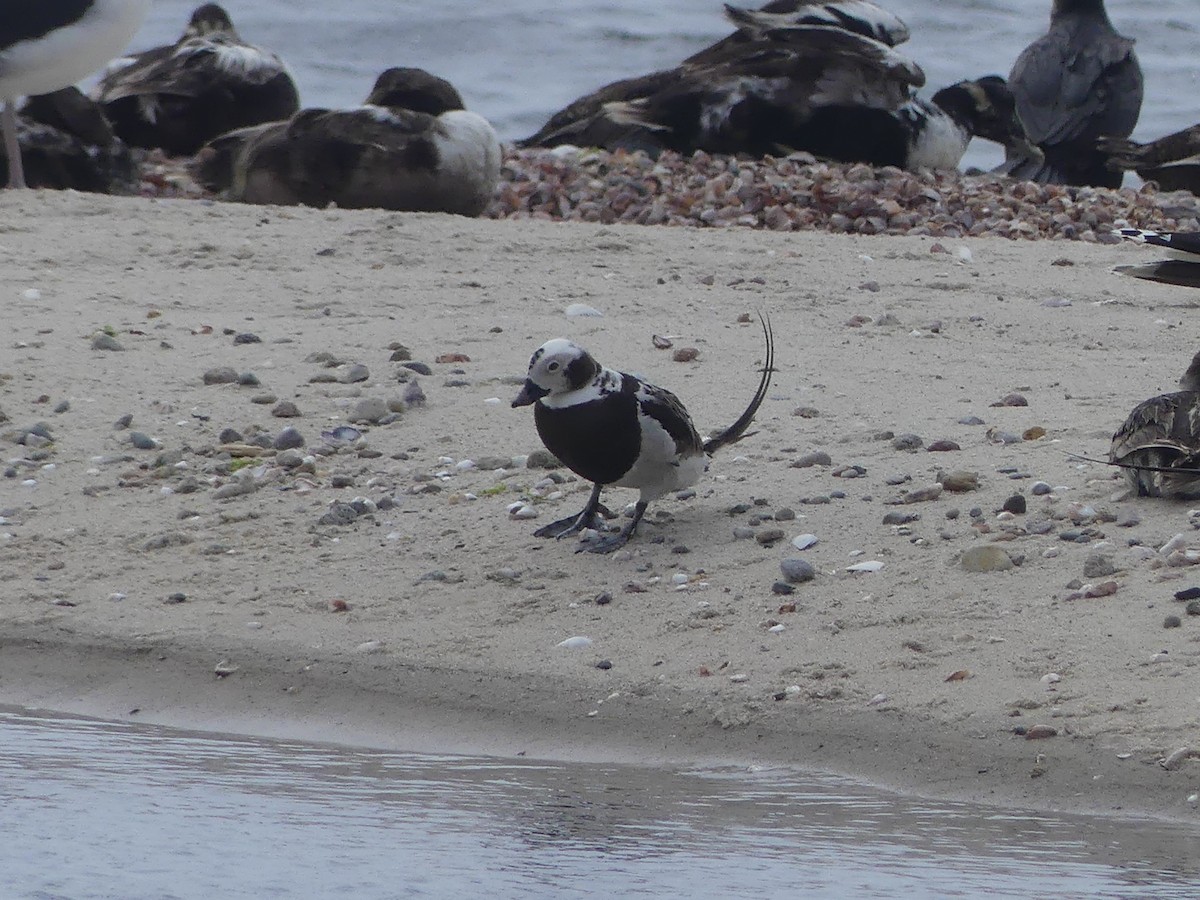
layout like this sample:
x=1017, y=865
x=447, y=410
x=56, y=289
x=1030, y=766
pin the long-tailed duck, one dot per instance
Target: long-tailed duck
x=51, y=44
x=774, y=90
x=1077, y=82
x=1172, y=161
x=1158, y=445
x=1182, y=267
x=411, y=147
x=66, y=143
x=208, y=82
x=616, y=429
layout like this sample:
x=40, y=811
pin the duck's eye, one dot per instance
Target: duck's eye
x=552, y=367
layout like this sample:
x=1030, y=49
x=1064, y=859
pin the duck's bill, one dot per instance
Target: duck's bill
x=530, y=393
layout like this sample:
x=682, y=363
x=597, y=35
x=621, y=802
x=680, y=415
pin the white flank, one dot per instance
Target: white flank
x=468, y=147
x=941, y=143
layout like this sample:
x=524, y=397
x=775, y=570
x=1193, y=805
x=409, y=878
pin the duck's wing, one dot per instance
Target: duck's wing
x=858, y=16
x=582, y=122
x=669, y=412
x=1182, y=245
x=1068, y=87
x=190, y=68
x=1124, y=154
x=1159, y=444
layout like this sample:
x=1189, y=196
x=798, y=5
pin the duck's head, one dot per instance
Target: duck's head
x=988, y=109
x=557, y=367
x=209, y=19
x=414, y=89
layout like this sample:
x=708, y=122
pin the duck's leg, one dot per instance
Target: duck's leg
x=576, y=523
x=615, y=541
x=12, y=147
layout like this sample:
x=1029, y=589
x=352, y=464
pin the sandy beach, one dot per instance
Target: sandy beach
x=380, y=592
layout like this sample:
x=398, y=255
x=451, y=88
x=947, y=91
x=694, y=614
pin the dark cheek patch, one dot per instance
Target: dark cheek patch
x=421, y=154
x=580, y=371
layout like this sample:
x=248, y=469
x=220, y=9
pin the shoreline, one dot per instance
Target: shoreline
x=451, y=614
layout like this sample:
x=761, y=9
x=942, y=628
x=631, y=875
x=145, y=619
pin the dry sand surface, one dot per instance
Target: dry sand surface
x=455, y=613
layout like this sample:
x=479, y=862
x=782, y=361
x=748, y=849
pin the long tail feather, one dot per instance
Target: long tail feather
x=737, y=430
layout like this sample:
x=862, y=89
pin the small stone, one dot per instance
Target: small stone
x=896, y=517
x=288, y=439
x=419, y=367
x=247, y=338
x=102, y=340
x=221, y=375
x=942, y=446
x=1128, y=518
x=813, y=458
x=971, y=420
x=907, y=442
x=122, y=423
x=1038, y=732
x=1013, y=399
x=230, y=436
x=796, y=570
x=1015, y=504
x=289, y=459
x=922, y=494
x=804, y=541
x=685, y=354
x=604, y=664
x=1193, y=608
x=353, y=374
x=769, y=536
x=986, y=558
x=1040, y=489
x=143, y=441
x=542, y=459
x=1172, y=621
x=1098, y=565
x=782, y=588
x=248, y=379
x=368, y=409
x=400, y=353
x=285, y=409
x=785, y=514
x=959, y=481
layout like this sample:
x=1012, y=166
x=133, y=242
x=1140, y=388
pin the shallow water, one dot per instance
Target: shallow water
x=517, y=62
x=93, y=809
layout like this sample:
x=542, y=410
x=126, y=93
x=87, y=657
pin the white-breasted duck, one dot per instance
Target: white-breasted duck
x=179, y=96
x=821, y=89
x=1182, y=265
x=615, y=429
x=51, y=44
x=1077, y=82
x=1158, y=445
x=412, y=146
x=1173, y=162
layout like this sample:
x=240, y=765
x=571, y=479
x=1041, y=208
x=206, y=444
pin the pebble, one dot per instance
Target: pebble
x=769, y=536
x=804, y=541
x=419, y=367
x=288, y=439
x=813, y=458
x=942, y=446
x=907, y=442
x=353, y=374
x=124, y=422
x=1038, y=732
x=102, y=340
x=143, y=441
x=987, y=558
x=578, y=642
x=896, y=517
x=922, y=494
x=1098, y=565
x=1128, y=518
x=1172, y=621
x=285, y=409
x=1193, y=608
x=368, y=409
x=1015, y=504
x=542, y=459
x=221, y=375
x=1040, y=489
x=959, y=481
x=870, y=565
x=582, y=309
x=796, y=570
x=248, y=379
x=783, y=514
x=247, y=337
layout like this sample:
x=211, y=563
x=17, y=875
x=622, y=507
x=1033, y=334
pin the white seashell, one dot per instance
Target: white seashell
x=464, y=465
x=117, y=596
x=792, y=690
x=224, y=667
x=369, y=647
x=582, y=309
x=871, y=565
x=1051, y=678
x=524, y=511
x=777, y=629
x=514, y=506
x=804, y=541
x=31, y=294
x=679, y=578
x=445, y=460
x=964, y=253
x=877, y=699
x=1175, y=543
x=576, y=643
x=493, y=401
x=739, y=678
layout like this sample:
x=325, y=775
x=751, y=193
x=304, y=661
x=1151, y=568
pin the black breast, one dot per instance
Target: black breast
x=36, y=20
x=600, y=440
